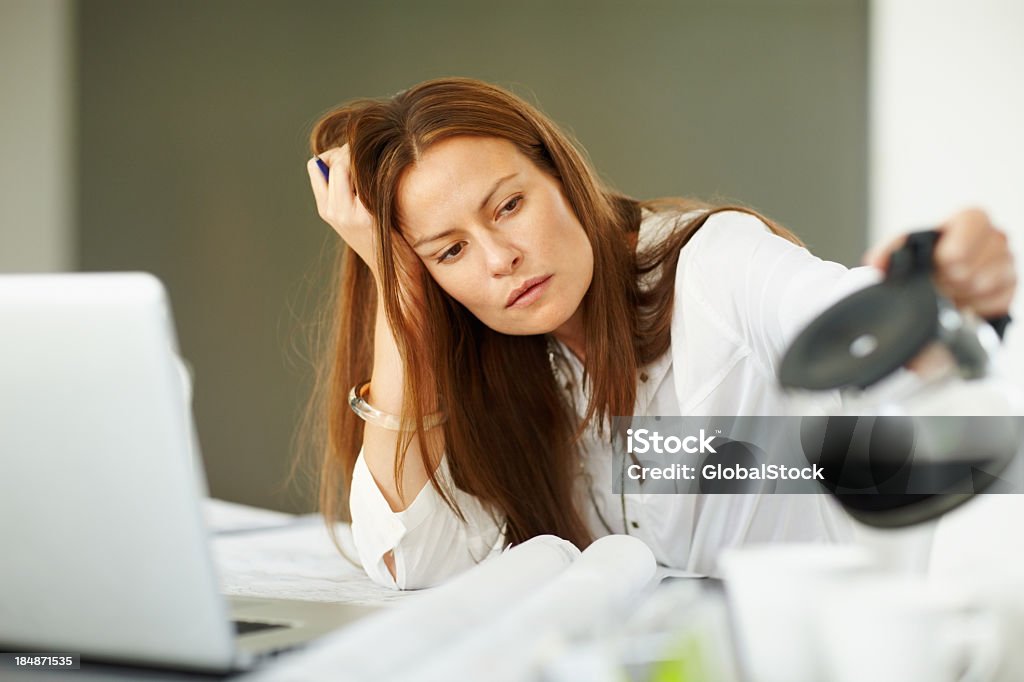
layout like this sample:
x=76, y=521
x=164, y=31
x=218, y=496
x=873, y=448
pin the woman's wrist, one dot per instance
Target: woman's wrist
x=359, y=403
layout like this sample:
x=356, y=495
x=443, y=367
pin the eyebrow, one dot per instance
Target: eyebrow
x=483, y=204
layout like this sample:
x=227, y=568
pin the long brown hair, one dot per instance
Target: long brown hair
x=510, y=438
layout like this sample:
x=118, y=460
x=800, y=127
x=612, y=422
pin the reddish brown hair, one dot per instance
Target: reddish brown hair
x=510, y=439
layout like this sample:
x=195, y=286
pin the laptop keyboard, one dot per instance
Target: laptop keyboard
x=244, y=627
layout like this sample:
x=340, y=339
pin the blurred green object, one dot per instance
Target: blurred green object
x=684, y=662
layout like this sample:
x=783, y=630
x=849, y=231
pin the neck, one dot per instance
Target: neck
x=573, y=336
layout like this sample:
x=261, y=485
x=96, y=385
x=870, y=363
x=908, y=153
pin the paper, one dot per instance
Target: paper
x=229, y=517
x=664, y=572
x=587, y=599
x=297, y=561
x=386, y=645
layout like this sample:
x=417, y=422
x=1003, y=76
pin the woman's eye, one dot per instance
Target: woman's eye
x=452, y=252
x=512, y=204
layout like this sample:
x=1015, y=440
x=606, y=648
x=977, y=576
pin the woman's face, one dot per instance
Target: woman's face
x=497, y=234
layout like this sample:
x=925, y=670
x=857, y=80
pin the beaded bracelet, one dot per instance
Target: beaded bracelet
x=371, y=415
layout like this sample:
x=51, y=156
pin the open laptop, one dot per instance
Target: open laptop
x=104, y=548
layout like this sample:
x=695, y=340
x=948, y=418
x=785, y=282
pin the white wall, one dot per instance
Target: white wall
x=36, y=166
x=946, y=132
x=947, y=105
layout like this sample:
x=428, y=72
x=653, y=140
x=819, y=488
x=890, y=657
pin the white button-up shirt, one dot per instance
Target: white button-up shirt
x=742, y=294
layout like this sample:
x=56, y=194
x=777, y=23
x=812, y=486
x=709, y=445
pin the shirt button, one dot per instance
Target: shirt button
x=643, y=376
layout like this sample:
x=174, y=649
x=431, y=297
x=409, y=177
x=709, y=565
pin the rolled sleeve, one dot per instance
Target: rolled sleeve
x=429, y=541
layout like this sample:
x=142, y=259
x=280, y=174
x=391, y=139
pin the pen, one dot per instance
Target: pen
x=323, y=168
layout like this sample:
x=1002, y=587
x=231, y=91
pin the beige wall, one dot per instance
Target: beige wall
x=36, y=183
x=192, y=118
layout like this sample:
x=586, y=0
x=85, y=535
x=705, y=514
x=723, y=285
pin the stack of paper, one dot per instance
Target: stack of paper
x=492, y=622
x=230, y=517
x=265, y=553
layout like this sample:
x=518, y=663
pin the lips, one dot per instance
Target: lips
x=525, y=287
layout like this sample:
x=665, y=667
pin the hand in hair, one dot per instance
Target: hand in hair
x=338, y=205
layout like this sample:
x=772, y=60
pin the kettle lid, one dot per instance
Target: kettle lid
x=873, y=332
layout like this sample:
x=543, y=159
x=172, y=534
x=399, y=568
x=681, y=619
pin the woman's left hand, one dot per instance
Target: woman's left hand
x=973, y=263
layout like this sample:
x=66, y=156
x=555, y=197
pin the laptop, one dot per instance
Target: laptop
x=105, y=550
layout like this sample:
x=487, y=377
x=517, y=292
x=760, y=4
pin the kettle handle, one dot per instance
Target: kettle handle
x=916, y=257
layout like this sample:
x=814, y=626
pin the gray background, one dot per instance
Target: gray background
x=190, y=122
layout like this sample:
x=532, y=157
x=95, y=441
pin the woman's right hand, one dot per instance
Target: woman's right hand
x=338, y=205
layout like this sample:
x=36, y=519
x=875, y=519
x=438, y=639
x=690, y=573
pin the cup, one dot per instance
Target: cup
x=999, y=588
x=898, y=550
x=980, y=546
x=773, y=592
x=884, y=628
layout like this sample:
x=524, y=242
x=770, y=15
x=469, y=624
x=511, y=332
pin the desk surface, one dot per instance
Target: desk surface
x=102, y=672
x=265, y=554
x=259, y=553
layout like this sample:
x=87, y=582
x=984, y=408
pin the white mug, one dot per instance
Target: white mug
x=772, y=592
x=901, y=628
x=1000, y=588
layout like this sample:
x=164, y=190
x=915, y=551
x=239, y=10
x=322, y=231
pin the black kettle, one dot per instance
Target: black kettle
x=904, y=452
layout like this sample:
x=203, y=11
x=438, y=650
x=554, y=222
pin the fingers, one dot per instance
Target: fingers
x=957, y=251
x=336, y=199
x=985, y=284
x=973, y=263
x=994, y=302
x=879, y=255
x=324, y=168
x=317, y=182
x=340, y=195
x=968, y=241
x=338, y=205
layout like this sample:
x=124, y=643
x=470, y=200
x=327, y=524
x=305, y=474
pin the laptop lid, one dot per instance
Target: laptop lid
x=105, y=552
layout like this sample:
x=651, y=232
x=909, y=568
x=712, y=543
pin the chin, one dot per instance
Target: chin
x=519, y=329
x=545, y=324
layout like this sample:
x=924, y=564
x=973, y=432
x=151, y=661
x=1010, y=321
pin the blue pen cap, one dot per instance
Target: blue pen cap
x=323, y=168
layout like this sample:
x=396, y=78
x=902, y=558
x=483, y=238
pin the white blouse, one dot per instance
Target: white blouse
x=742, y=294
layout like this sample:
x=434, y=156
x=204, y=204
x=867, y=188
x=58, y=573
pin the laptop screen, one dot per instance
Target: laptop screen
x=105, y=550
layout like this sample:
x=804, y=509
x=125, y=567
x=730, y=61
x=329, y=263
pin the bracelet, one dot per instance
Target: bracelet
x=371, y=415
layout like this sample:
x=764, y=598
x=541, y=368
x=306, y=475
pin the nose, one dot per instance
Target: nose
x=502, y=257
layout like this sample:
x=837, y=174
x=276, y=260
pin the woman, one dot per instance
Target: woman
x=504, y=305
